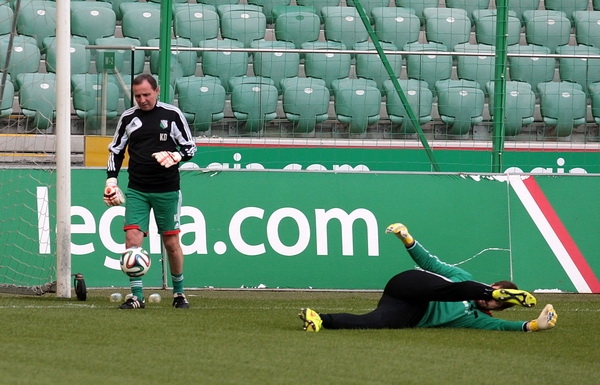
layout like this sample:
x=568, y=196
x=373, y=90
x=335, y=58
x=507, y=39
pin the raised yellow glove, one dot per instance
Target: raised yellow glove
x=546, y=320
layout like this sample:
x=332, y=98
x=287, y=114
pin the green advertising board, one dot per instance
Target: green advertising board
x=324, y=230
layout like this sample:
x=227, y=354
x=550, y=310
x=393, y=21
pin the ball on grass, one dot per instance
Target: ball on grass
x=154, y=298
x=116, y=297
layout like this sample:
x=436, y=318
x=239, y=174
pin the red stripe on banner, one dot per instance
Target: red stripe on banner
x=563, y=235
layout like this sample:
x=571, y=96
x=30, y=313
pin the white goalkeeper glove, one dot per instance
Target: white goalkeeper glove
x=167, y=158
x=546, y=320
x=113, y=196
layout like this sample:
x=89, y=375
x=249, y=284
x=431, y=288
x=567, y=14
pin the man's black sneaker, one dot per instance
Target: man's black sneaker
x=133, y=303
x=180, y=302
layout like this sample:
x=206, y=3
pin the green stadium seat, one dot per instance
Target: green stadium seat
x=116, y=6
x=468, y=5
x=567, y=7
x=37, y=98
x=267, y=7
x=276, y=64
x=24, y=58
x=344, y=25
x=183, y=62
x=253, y=102
x=318, y=5
x=202, y=101
x=547, y=28
x=297, y=27
x=523, y=5
x=126, y=60
x=8, y=95
x=94, y=98
x=485, y=27
x=326, y=66
x=418, y=6
x=519, y=104
x=245, y=25
x=37, y=18
x=398, y=26
x=429, y=68
x=447, y=26
x=81, y=57
x=460, y=105
x=305, y=103
x=196, y=22
x=563, y=107
x=420, y=99
x=594, y=89
x=92, y=20
x=370, y=66
x=583, y=71
x=223, y=64
x=587, y=27
x=357, y=103
x=6, y=17
x=369, y=5
x=479, y=68
x=142, y=23
x=532, y=70
x=216, y=3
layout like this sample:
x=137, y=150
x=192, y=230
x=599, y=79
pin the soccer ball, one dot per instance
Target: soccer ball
x=135, y=262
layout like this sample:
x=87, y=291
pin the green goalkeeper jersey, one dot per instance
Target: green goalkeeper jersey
x=455, y=314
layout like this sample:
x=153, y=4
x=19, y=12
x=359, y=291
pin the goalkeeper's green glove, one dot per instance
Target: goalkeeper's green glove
x=546, y=320
x=113, y=196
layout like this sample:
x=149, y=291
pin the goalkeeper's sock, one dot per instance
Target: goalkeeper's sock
x=177, y=280
x=137, y=288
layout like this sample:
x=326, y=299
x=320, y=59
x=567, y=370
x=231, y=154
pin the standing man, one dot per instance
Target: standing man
x=157, y=137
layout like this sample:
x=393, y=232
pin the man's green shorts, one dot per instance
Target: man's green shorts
x=166, y=207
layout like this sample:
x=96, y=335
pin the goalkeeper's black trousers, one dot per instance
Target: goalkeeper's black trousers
x=405, y=300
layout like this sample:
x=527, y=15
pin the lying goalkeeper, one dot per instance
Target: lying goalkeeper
x=439, y=295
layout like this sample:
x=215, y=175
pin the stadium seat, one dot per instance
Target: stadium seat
x=532, y=70
x=281, y=9
x=583, y=71
x=297, y=27
x=81, y=58
x=183, y=62
x=305, y=103
x=369, y=5
x=37, y=18
x=485, y=27
x=567, y=7
x=202, y=101
x=116, y=7
x=447, y=26
x=460, y=105
x=477, y=68
x=596, y=5
x=398, y=26
x=275, y=64
x=357, y=103
x=196, y=22
x=142, y=23
x=587, y=27
x=344, y=25
x=468, y=5
x=429, y=68
x=223, y=64
x=420, y=99
x=37, y=98
x=8, y=95
x=224, y=8
x=19, y=39
x=91, y=101
x=216, y=3
x=370, y=66
x=563, y=107
x=326, y=66
x=267, y=7
x=92, y=20
x=245, y=25
x=595, y=101
x=124, y=59
x=318, y=5
x=24, y=58
x=6, y=17
x=547, y=28
x=254, y=102
x=523, y=5
x=519, y=106
x=418, y=6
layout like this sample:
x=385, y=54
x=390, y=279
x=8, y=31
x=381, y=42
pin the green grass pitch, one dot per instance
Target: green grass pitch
x=255, y=337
